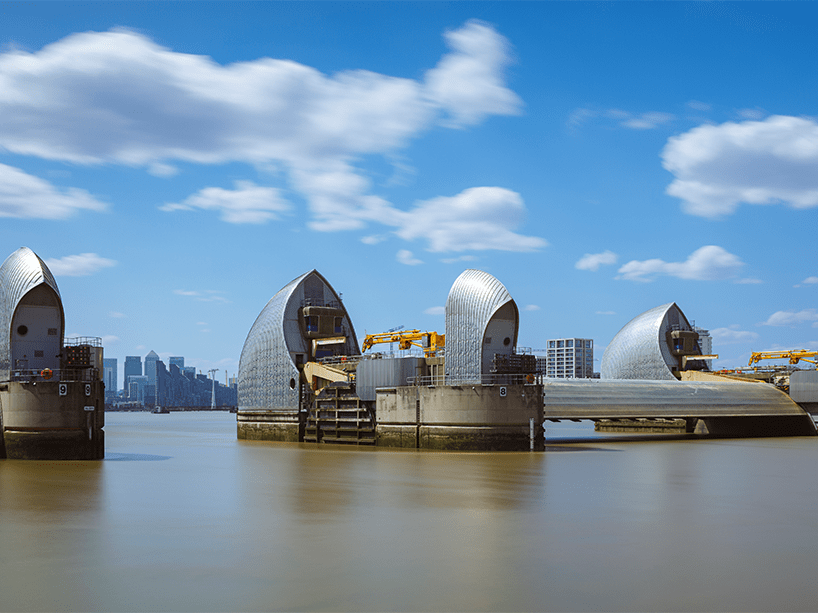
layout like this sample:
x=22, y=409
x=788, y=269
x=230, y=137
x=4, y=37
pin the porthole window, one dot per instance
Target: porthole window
x=506, y=341
x=292, y=384
x=22, y=330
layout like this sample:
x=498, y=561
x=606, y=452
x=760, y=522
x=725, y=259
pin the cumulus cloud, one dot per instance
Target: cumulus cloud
x=118, y=97
x=436, y=310
x=25, y=196
x=716, y=167
x=731, y=335
x=592, y=261
x=807, y=281
x=404, y=256
x=468, y=83
x=792, y=318
x=477, y=218
x=531, y=307
x=247, y=203
x=709, y=263
x=80, y=265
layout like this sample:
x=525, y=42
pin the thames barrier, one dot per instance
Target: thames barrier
x=303, y=378
x=51, y=393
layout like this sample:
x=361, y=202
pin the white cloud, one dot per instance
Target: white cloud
x=405, y=256
x=26, y=196
x=80, y=265
x=468, y=83
x=709, y=263
x=748, y=281
x=116, y=314
x=373, y=239
x=792, y=318
x=210, y=295
x=109, y=339
x=809, y=281
x=461, y=258
x=727, y=336
x=649, y=120
x=248, y=203
x=118, y=97
x=716, y=167
x=592, y=261
x=436, y=310
x=158, y=169
x=696, y=105
x=531, y=307
x=477, y=218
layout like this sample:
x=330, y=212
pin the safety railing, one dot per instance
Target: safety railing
x=56, y=374
x=91, y=341
x=485, y=379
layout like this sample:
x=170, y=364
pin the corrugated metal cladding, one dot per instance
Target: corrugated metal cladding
x=595, y=399
x=389, y=372
x=22, y=271
x=474, y=298
x=640, y=349
x=268, y=376
x=804, y=386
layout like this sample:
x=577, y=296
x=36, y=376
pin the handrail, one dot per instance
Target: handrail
x=54, y=374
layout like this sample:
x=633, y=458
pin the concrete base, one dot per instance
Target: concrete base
x=54, y=445
x=53, y=420
x=779, y=425
x=285, y=426
x=466, y=418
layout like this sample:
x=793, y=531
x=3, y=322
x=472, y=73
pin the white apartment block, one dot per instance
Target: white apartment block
x=705, y=344
x=570, y=358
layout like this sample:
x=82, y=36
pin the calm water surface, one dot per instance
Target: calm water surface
x=181, y=516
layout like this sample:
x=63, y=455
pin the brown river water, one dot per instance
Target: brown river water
x=181, y=516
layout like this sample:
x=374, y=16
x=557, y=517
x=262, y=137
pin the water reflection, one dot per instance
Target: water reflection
x=185, y=517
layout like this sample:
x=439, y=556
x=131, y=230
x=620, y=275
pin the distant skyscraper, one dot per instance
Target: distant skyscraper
x=109, y=376
x=177, y=361
x=136, y=390
x=150, y=367
x=133, y=368
x=570, y=358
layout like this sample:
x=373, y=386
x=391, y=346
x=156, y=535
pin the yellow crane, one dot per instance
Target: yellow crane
x=430, y=342
x=793, y=355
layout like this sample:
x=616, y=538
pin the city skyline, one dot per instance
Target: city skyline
x=176, y=168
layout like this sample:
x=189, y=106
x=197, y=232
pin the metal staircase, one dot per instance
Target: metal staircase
x=338, y=416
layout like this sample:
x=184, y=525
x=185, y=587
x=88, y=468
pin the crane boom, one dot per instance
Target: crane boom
x=793, y=355
x=430, y=342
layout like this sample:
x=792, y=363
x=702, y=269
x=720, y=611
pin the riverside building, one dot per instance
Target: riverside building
x=570, y=358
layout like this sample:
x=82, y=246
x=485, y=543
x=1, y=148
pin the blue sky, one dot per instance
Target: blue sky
x=178, y=163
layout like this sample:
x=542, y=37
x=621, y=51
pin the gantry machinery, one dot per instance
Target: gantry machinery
x=430, y=342
x=793, y=355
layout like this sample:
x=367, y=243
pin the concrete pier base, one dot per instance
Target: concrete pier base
x=258, y=425
x=461, y=417
x=53, y=420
